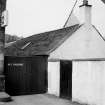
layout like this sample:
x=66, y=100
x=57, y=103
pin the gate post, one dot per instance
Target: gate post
x=4, y=97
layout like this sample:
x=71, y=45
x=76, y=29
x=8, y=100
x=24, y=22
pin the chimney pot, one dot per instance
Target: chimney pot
x=85, y=2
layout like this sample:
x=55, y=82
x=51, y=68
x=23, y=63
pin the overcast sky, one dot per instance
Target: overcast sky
x=28, y=17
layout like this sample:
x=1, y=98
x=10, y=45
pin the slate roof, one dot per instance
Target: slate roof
x=40, y=44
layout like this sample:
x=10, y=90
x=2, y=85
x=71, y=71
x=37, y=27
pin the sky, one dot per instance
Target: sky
x=29, y=17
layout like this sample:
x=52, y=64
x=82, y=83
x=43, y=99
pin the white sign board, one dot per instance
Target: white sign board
x=4, y=18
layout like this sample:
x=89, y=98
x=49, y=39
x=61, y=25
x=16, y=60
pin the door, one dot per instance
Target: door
x=66, y=79
x=14, y=79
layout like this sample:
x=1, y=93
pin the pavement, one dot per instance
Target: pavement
x=39, y=99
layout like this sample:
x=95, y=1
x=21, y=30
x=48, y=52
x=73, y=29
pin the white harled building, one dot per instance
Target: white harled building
x=85, y=48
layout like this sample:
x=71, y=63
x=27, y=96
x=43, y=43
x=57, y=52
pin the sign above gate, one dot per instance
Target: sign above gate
x=15, y=64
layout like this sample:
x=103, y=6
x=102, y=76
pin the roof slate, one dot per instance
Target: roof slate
x=40, y=44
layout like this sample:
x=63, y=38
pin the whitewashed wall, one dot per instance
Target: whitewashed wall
x=88, y=82
x=84, y=43
x=54, y=78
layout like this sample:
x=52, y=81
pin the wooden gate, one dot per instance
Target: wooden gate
x=26, y=75
x=66, y=79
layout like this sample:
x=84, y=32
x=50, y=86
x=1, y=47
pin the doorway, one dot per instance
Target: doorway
x=66, y=79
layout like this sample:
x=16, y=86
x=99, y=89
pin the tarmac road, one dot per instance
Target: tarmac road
x=39, y=99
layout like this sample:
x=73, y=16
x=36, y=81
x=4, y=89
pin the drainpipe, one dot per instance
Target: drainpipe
x=4, y=97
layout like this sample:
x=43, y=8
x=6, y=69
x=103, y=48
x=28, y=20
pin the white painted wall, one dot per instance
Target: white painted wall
x=54, y=78
x=88, y=82
x=83, y=44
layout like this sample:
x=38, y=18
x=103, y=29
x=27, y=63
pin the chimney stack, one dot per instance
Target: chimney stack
x=85, y=12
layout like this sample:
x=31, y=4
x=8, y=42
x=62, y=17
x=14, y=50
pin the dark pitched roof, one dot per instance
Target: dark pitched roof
x=40, y=44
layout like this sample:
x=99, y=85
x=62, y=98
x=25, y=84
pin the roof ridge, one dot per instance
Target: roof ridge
x=51, y=31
